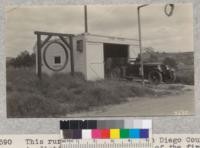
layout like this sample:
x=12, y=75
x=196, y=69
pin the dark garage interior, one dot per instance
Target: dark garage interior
x=115, y=55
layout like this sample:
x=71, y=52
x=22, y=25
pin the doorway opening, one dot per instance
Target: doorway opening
x=115, y=58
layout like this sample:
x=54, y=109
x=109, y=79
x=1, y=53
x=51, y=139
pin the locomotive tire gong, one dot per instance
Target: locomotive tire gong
x=55, y=56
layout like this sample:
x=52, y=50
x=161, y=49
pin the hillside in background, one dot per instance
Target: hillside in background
x=182, y=58
x=182, y=62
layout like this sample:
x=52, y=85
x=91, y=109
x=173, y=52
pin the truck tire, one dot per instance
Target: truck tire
x=155, y=77
x=171, y=78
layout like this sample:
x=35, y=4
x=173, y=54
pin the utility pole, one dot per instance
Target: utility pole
x=140, y=42
x=85, y=19
x=169, y=9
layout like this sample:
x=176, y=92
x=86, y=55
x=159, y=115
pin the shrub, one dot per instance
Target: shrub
x=61, y=94
x=24, y=59
x=185, y=76
x=31, y=105
x=170, y=61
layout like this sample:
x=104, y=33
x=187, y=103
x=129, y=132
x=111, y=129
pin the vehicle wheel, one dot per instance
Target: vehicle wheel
x=171, y=78
x=155, y=77
x=115, y=73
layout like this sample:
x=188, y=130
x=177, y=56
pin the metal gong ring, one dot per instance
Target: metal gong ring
x=45, y=56
x=169, y=9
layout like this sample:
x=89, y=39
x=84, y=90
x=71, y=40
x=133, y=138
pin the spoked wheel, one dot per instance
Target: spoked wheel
x=155, y=77
x=171, y=77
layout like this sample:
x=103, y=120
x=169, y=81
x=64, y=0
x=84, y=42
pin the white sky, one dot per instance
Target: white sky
x=169, y=34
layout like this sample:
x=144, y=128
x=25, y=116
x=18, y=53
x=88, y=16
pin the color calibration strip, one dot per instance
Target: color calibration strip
x=105, y=134
x=106, y=129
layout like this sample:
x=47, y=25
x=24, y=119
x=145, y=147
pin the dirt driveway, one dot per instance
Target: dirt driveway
x=181, y=103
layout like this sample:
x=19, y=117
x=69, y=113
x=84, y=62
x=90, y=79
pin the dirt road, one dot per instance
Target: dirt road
x=173, y=104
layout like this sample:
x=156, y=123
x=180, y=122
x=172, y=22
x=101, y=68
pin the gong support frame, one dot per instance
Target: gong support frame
x=41, y=44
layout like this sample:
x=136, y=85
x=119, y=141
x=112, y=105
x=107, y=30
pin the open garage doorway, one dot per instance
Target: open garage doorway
x=115, y=58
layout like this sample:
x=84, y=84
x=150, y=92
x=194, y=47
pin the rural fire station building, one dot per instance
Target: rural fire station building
x=90, y=52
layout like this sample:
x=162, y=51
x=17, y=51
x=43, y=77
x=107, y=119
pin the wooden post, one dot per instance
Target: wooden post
x=39, y=63
x=85, y=19
x=71, y=54
x=41, y=44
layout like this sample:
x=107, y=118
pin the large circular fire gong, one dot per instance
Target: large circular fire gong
x=55, y=56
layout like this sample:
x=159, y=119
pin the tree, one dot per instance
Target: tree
x=153, y=58
x=24, y=59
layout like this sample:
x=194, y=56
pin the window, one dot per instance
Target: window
x=57, y=60
x=80, y=45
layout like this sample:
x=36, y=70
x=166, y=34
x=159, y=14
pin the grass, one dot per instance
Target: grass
x=62, y=94
x=185, y=75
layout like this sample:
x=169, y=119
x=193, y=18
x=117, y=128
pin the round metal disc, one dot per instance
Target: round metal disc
x=52, y=50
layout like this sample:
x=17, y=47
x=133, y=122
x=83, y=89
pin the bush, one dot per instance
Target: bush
x=185, y=76
x=61, y=94
x=24, y=59
x=22, y=104
x=170, y=61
